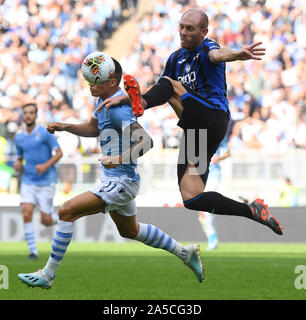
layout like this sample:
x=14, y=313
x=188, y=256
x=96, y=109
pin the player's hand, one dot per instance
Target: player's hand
x=110, y=162
x=41, y=168
x=112, y=102
x=178, y=87
x=18, y=165
x=251, y=52
x=55, y=126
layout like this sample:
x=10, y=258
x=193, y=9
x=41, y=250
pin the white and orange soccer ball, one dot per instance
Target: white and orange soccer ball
x=98, y=67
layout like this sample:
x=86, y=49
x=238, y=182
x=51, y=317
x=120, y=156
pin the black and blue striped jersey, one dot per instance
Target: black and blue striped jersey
x=202, y=78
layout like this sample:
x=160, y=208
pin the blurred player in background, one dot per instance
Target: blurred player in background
x=35, y=145
x=208, y=220
x=122, y=141
x=289, y=195
x=194, y=83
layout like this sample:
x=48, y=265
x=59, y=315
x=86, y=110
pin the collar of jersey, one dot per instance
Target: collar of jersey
x=33, y=131
x=195, y=50
x=117, y=93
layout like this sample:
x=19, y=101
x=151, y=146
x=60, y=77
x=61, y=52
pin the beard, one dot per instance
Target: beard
x=30, y=124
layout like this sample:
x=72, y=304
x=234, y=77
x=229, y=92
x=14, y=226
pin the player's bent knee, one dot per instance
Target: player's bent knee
x=188, y=194
x=66, y=212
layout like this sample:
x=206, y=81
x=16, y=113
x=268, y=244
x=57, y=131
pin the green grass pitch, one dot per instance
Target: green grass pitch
x=131, y=271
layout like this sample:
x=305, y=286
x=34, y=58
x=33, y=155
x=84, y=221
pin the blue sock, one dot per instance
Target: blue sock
x=60, y=242
x=154, y=237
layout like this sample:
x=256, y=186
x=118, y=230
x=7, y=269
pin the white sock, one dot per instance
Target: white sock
x=60, y=242
x=29, y=234
x=154, y=237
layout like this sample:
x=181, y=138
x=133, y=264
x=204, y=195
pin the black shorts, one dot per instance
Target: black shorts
x=204, y=128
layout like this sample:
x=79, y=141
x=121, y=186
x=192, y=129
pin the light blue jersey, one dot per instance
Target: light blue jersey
x=215, y=169
x=36, y=148
x=111, y=124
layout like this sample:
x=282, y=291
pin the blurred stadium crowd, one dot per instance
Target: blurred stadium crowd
x=43, y=43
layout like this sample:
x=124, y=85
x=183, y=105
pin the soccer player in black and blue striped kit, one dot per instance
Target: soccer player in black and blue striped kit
x=194, y=83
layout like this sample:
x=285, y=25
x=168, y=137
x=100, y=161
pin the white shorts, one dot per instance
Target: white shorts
x=119, y=194
x=41, y=196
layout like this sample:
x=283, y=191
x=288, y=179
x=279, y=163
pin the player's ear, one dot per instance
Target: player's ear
x=113, y=82
x=205, y=31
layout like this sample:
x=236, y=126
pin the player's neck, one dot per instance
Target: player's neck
x=111, y=93
x=195, y=47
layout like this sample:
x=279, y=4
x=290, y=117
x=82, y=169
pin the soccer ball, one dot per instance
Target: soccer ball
x=98, y=67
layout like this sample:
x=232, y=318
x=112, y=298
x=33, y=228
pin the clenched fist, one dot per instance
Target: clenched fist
x=55, y=126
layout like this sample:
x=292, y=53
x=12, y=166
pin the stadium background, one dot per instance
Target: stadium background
x=43, y=43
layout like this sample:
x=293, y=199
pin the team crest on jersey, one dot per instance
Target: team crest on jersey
x=37, y=135
x=187, y=68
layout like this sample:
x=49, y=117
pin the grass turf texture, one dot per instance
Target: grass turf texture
x=130, y=271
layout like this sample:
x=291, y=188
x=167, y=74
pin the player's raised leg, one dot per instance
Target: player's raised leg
x=195, y=199
x=133, y=90
x=206, y=219
x=154, y=237
x=84, y=204
x=159, y=94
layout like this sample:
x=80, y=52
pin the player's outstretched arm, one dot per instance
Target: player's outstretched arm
x=115, y=101
x=226, y=55
x=89, y=129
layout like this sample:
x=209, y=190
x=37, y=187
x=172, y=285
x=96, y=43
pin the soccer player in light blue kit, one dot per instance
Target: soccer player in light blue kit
x=122, y=141
x=208, y=220
x=36, y=146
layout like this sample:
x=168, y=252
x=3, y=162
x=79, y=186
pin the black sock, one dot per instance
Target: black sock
x=159, y=94
x=216, y=203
